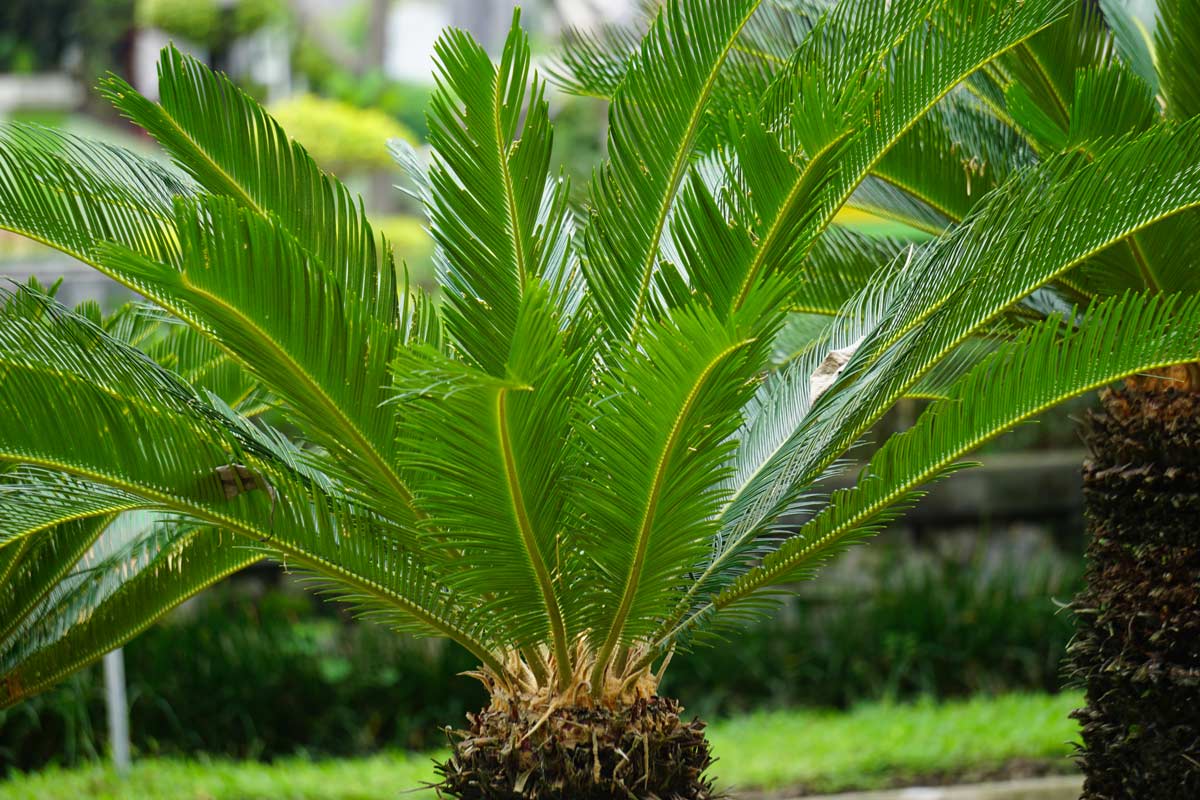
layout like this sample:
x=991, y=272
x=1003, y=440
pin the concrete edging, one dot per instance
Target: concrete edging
x=1063, y=787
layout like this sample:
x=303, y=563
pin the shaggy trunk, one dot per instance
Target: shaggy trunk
x=1137, y=646
x=544, y=743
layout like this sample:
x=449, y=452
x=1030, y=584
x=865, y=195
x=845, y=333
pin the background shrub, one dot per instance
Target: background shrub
x=277, y=674
x=197, y=21
x=340, y=137
x=940, y=627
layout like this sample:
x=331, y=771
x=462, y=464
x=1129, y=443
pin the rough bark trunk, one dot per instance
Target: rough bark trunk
x=1137, y=646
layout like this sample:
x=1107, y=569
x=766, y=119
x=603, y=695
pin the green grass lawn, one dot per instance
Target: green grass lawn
x=870, y=746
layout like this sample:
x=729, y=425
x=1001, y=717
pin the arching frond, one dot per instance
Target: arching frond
x=131, y=399
x=489, y=458
x=491, y=134
x=41, y=569
x=189, y=353
x=1049, y=363
x=36, y=500
x=1134, y=41
x=276, y=309
x=74, y=195
x=655, y=457
x=953, y=156
x=1177, y=39
x=1014, y=244
x=653, y=123
x=233, y=148
x=593, y=63
x=869, y=77
x=114, y=596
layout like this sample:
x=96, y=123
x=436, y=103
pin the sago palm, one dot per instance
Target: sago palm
x=608, y=439
x=1090, y=82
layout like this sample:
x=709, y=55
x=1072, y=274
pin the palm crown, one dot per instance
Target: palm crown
x=595, y=448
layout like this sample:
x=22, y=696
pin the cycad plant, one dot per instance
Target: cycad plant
x=608, y=439
x=1091, y=82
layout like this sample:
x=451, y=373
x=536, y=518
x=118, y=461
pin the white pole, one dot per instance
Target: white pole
x=118, y=709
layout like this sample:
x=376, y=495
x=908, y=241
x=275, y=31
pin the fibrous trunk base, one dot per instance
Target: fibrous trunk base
x=640, y=750
x=1137, y=648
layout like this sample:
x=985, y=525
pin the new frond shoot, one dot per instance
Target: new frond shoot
x=584, y=454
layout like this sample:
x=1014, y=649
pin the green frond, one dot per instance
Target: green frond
x=182, y=349
x=489, y=459
x=953, y=156
x=776, y=30
x=233, y=148
x=655, y=458
x=1048, y=364
x=1133, y=41
x=937, y=383
x=59, y=366
x=796, y=336
x=1012, y=245
x=281, y=314
x=109, y=600
x=839, y=266
x=988, y=86
x=496, y=217
x=1168, y=252
x=74, y=195
x=653, y=123
x=1177, y=40
x=109, y=550
x=957, y=40
x=1107, y=101
x=1110, y=101
x=34, y=501
x=900, y=64
x=1045, y=66
x=593, y=63
x=42, y=567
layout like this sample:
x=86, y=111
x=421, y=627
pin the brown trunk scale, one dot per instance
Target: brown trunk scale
x=1137, y=647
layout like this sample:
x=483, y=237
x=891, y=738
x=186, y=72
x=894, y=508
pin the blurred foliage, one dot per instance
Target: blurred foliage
x=104, y=32
x=871, y=746
x=197, y=21
x=941, y=627
x=209, y=22
x=34, y=33
x=340, y=137
x=412, y=245
x=277, y=676
x=254, y=680
x=580, y=124
x=403, y=100
x=253, y=15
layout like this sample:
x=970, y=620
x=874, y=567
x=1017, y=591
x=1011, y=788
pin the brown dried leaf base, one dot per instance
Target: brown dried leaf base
x=642, y=750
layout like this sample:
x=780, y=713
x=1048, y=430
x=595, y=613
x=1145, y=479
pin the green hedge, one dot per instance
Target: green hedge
x=202, y=22
x=340, y=137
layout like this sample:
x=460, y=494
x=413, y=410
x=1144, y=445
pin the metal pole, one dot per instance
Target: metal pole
x=118, y=709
